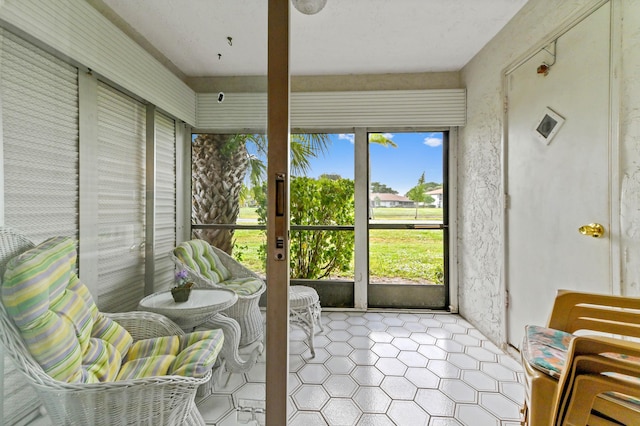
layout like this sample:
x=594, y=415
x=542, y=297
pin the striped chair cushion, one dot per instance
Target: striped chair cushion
x=157, y=365
x=56, y=315
x=165, y=345
x=243, y=286
x=190, y=355
x=106, y=329
x=73, y=341
x=100, y=362
x=199, y=352
x=54, y=322
x=197, y=255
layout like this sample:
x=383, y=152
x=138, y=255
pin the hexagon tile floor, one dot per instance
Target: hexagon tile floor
x=404, y=369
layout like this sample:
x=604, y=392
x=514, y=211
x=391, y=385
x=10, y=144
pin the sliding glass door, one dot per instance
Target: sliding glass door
x=407, y=220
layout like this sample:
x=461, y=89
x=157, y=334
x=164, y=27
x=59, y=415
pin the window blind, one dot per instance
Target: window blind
x=40, y=145
x=121, y=200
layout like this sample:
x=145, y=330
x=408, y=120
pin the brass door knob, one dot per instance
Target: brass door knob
x=594, y=230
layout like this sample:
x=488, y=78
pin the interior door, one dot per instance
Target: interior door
x=557, y=186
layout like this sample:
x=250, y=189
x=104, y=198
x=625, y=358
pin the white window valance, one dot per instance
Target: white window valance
x=385, y=108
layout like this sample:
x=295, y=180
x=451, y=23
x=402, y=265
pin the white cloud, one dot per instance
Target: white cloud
x=388, y=135
x=432, y=142
x=350, y=137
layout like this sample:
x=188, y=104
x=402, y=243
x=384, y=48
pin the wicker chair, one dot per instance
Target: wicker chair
x=166, y=400
x=201, y=271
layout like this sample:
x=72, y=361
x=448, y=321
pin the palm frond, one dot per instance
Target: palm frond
x=257, y=170
x=380, y=139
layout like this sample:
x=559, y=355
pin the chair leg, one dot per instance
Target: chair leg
x=312, y=330
x=317, y=315
x=540, y=397
x=524, y=412
x=585, y=390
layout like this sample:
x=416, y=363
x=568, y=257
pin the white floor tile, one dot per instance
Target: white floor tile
x=408, y=413
x=368, y=419
x=379, y=368
x=338, y=386
x=310, y=397
x=372, y=399
x=435, y=402
x=341, y=412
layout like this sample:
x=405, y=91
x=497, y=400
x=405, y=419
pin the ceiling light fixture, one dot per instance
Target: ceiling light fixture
x=309, y=7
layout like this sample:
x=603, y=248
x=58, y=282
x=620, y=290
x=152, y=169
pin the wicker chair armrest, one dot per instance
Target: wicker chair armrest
x=145, y=325
x=237, y=269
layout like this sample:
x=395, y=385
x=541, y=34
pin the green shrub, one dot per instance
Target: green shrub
x=323, y=201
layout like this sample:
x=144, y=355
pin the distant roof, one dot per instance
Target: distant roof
x=382, y=196
x=435, y=191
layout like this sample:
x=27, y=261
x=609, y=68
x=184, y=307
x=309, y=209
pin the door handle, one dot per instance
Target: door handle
x=594, y=230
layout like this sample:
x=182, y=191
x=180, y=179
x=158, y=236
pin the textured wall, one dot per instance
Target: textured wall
x=480, y=185
x=630, y=148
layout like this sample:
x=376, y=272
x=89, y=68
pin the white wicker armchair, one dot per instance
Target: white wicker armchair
x=246, y=310
x=158, y=400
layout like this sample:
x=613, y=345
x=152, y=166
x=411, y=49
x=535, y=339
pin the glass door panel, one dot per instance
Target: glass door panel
x=321, y=205
x=407, y=220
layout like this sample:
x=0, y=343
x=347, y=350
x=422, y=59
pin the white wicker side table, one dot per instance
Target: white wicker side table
x=204, y=309
x=305, y=310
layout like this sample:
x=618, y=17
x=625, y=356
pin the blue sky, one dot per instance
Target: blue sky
x=398, y=168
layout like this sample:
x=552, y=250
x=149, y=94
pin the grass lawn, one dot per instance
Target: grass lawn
x=379, y=213
x=406, y=214
x=409, y=255
x=395, y=255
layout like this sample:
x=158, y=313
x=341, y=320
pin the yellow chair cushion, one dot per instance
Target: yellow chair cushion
x=73, y=341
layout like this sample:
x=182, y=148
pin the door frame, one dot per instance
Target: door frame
x=614, y=148
x=450, y=173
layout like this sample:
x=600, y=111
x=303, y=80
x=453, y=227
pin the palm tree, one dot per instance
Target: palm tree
x=220, y=164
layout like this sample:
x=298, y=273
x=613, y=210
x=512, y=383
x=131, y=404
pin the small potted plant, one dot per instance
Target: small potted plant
x=182, y=290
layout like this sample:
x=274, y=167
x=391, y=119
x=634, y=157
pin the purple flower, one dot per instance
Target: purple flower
x=181, y=277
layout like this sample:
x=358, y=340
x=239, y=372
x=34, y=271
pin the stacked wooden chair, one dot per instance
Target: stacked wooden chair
x=583, y=368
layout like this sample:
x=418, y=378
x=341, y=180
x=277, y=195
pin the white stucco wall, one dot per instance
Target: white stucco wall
x=480, y=199
x=630, y=148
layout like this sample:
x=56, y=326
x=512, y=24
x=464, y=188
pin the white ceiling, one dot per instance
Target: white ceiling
x=346, y=37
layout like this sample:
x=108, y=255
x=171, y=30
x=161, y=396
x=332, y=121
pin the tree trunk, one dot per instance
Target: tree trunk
x=219, y=166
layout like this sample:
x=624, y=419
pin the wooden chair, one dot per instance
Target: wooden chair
x=583, y=367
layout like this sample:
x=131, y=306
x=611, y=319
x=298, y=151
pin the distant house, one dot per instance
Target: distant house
x=389, y=200
x=437, y=197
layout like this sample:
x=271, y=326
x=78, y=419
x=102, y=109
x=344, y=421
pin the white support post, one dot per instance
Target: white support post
x=150, y=201
x=361, y=276
x=88, y=180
